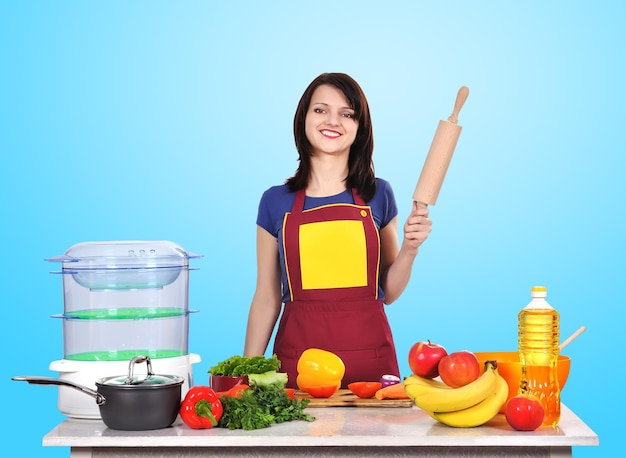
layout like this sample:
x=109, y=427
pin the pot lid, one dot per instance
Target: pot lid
x=141, y=381
x=124, y=254
x=148, y=380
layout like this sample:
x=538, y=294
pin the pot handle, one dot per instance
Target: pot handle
x=100, y=400
x=138, y=360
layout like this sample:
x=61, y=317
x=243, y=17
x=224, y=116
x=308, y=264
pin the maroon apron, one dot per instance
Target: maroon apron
x=332, y=258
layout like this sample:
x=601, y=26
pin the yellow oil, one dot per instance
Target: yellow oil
x=538, y=335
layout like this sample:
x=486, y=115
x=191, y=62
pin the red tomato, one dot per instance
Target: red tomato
x=459, y=368
x=291, y=393
x=365, y=390
x=424, y=359
x=524, y=412
x=321, y=391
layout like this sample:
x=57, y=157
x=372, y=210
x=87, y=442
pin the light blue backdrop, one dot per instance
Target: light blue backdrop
x=167, y=120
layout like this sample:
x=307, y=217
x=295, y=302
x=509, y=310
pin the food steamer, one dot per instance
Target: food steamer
x=122, y=299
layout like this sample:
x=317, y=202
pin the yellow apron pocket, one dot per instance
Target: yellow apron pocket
x=333, y=254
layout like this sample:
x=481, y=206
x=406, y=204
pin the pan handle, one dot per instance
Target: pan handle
x=100, y=400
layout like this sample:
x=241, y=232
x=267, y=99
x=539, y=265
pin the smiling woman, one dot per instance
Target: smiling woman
x=327, y=243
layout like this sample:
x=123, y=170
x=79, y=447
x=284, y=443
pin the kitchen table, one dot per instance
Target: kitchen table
x=337, y=431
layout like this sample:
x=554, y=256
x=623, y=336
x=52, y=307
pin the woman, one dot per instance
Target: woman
x=327, y=242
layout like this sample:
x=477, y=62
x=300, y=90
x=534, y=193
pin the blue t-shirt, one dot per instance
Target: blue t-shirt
x=277, y=201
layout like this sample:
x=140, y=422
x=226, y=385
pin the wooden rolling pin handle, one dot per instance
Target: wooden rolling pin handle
x=461, y=97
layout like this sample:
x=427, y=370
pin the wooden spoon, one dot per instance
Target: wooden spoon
x=568, y=341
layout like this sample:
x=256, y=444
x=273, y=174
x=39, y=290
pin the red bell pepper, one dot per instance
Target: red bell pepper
x=201, y=408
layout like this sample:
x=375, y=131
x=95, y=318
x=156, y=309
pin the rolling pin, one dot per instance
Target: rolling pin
x=439, y=155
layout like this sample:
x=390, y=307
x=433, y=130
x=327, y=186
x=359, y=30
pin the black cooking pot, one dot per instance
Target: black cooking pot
x=127, y=402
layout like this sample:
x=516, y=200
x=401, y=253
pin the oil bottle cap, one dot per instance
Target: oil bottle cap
x=539, y=291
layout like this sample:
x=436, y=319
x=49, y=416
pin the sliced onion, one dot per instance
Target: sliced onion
x=388, y=380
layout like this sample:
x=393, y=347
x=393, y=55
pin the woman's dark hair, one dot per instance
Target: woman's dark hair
x=360, y=165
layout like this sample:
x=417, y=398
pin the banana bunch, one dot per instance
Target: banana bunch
x=471, y=405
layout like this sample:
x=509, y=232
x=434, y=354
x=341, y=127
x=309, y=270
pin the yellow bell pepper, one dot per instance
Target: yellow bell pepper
x=318, y=367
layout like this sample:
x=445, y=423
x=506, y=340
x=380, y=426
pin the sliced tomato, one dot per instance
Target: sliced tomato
x=321, y=391
x=291, y=393
x=365, y=390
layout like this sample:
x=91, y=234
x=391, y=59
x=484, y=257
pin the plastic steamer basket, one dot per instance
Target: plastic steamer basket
x=122, y=299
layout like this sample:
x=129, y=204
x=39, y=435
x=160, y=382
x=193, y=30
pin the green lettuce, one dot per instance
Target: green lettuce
x=238, y=366
x=268, y=378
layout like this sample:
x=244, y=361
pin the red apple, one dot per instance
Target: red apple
x=524, y=412
x=459, y=368
x=424, y=359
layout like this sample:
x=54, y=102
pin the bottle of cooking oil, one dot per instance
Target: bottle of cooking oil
x=538, y=339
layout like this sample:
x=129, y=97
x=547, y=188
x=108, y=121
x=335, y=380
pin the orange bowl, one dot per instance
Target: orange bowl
x=510, y=368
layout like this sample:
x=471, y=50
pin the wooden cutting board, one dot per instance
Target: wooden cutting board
x=345, y=398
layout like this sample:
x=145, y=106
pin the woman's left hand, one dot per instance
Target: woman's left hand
x=416, y=229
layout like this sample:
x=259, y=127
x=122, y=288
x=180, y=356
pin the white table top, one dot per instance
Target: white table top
x=334, y=426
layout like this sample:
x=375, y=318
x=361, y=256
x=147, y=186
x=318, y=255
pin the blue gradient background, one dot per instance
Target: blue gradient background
x=167, y=120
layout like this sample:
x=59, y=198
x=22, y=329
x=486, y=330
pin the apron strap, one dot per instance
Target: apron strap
x=358, y=200
x=298, y=202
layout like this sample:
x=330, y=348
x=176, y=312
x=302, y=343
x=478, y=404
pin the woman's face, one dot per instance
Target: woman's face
x=330, y=125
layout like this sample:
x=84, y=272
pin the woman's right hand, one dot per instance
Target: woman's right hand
x=416, y=229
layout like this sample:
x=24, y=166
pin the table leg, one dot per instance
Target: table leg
x=560, y=452
x=81, y=452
